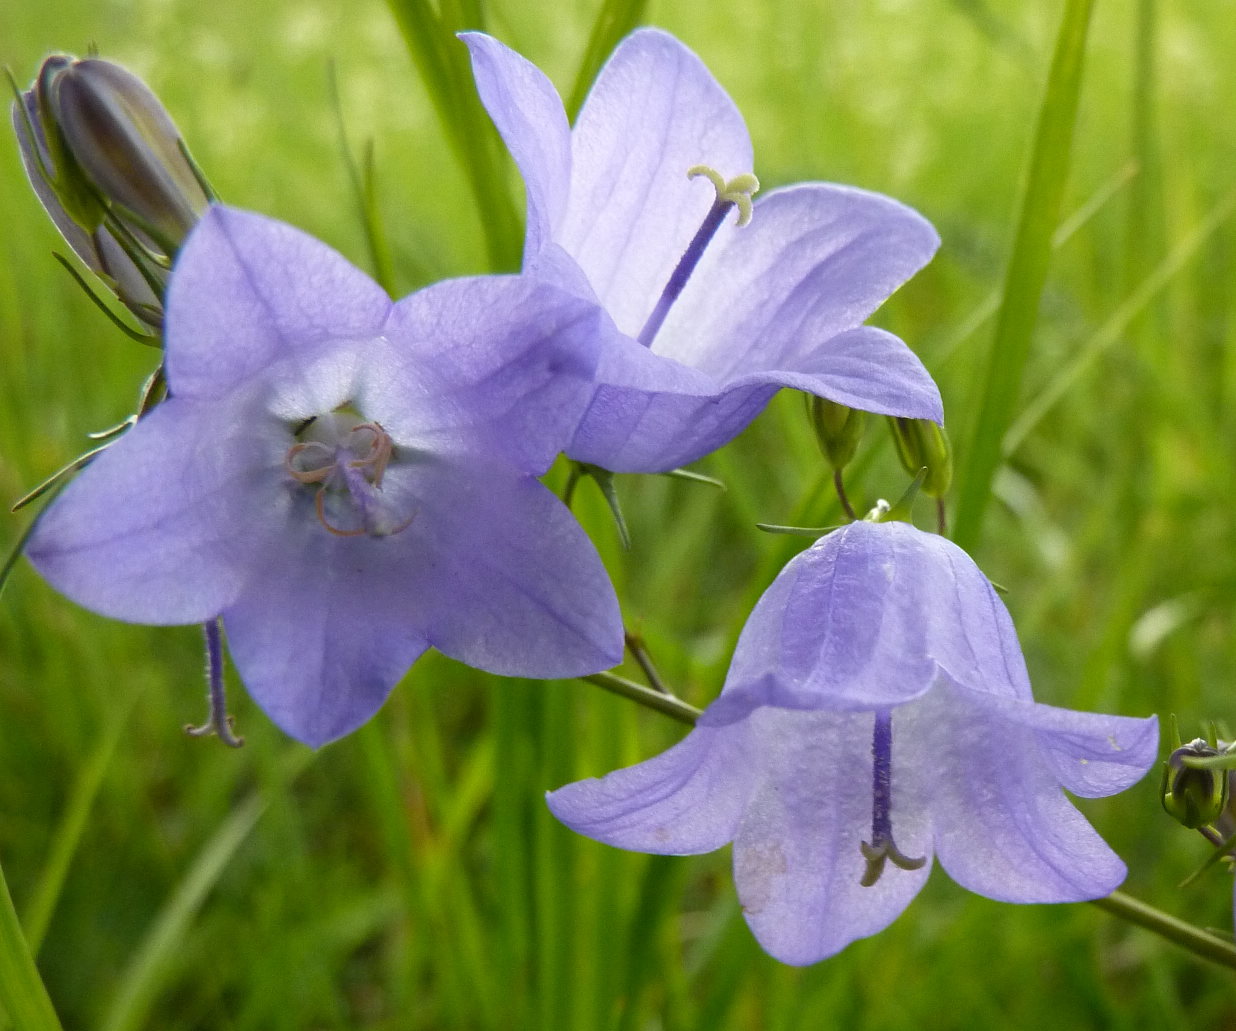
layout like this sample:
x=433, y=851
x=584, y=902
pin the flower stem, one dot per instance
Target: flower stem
x=839, y=486
x=22, y=995
x=668, y=704
x=1200, y=943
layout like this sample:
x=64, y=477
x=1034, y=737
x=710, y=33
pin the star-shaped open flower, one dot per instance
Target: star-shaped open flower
x=345, y=481
x=877, y=712
x=709, y=318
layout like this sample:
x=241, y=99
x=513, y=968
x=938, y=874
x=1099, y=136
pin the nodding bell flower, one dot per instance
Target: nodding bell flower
x=877, y=713
x=113, y=172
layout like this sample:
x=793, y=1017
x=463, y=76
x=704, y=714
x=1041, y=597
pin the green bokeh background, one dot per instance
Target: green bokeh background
x=409, y=876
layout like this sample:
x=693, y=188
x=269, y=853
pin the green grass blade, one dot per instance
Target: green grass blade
x=22, y=995
x=443, y=64
x=1118, y=323
x=615, y=20
x=1027, y=273
x=68, y=833
x=142, y=979
x=364, y=192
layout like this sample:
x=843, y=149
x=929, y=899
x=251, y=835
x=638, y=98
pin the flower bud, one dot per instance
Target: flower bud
x=838, y=429
x=111, y=169
x=1193, y=797
x=921, y=444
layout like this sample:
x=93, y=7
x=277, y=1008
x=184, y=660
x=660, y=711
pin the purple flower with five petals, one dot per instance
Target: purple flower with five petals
x=877, y=712
x=345, y=481
x=710, y=317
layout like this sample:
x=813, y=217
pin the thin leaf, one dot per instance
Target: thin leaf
x=615, y=19
x=1027, y=273
x=22, y=995
x=443, y=64
x=361, y=179
x=144, y=976
x=1117, y=324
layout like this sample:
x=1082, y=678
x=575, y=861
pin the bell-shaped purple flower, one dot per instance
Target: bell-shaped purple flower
x=345, y=481
x=640, y=207
x=877, y=713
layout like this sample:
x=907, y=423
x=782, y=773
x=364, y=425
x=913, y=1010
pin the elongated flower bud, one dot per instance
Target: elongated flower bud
x=838, y=429
x=128, y=148
x=113, y=173
x=922, y=444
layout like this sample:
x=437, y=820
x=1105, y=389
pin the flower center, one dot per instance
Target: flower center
x=735, y=193
x=346, y=459
x=882, y=848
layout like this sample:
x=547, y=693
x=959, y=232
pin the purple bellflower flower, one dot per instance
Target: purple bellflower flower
x=877, y=712
x=710, y=317
x=345, y=481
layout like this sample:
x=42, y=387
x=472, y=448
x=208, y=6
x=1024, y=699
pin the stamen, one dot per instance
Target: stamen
x=735, y=192
x=319, y=505
x=314, y=473
x=882, y=847
x=353, y=466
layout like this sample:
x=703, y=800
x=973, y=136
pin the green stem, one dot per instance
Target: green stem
x=22, y=995
x=1200, y=943
x=668, y=704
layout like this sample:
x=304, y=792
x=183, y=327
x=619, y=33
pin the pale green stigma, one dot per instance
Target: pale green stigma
x=736, y=191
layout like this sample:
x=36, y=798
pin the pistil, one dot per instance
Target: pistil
x=882, y=848
x=735, y=193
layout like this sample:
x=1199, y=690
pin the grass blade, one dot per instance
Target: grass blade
x=1027, y=273
x=1117, y=325
x=442, y=62
x=69, y=831
x=616, y=19
x=144, y=975
x=22, y=995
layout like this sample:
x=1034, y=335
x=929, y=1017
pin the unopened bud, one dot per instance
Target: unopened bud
x=113, y=173
x=1193, y=797
x=922, y=444
x=838, y=429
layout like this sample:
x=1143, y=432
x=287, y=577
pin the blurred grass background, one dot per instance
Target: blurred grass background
x=410, y=876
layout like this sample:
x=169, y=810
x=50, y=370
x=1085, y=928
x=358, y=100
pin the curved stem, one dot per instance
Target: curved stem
x=1200, y=943
x=839, y=486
